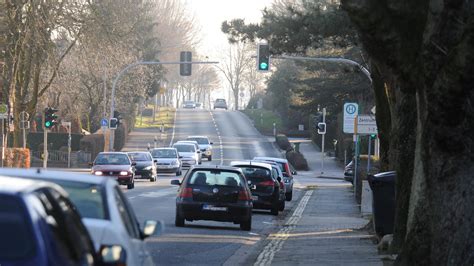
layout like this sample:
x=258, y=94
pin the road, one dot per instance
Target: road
x=206, y=242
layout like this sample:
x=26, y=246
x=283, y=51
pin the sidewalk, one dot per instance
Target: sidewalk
x=324, y=228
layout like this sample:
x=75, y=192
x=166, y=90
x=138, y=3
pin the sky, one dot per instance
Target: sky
x=211, y=13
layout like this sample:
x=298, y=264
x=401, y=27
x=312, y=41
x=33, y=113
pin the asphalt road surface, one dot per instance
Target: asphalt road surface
x=206, y=242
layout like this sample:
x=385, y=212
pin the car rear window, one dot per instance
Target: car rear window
x=16, y=232
x=88, y=198
x=215, y=178
x=185, y=148
x=256, y=174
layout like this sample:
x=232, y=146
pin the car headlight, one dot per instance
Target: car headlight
x=98, y=173
x=175, y=162
x=147, y=168
x=287, y=180
x=123, y=173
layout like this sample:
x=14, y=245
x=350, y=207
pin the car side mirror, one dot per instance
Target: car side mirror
x=175, y=182
x=198, y=151
x=112, y=255
x=211, y=143
x=180, y=157
x=134, y=164
x=279, y=179
x=91, y=164
x=294, y=173
x=155, y=161
x=151, y=228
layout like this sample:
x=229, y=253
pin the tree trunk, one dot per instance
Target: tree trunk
x=236, y=98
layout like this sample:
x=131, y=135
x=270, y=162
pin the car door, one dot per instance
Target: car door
x=133, y=229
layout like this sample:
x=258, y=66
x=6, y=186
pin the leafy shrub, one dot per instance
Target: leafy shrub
x=17, y=157
x=283, y=142
x=93, y=143
x=297, y=160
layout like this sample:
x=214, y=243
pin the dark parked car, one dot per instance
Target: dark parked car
x=216, y=193
x=268, y=190
x=287, y=171
x=115, y=164
x=220, y=103
x=40, y=226
x=145, y=165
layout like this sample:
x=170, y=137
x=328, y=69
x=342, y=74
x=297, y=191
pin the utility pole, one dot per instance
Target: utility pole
x=45, y=144
x=322, y=144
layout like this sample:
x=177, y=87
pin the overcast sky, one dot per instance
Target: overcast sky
x=211, y=13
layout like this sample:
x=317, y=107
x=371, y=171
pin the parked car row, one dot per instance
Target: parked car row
x=230, y=193
x=59, y=218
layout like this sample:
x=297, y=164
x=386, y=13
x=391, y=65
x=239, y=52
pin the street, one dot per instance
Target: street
x=205, y=242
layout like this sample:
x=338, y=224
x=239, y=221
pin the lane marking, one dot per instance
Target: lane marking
x=174, y=127
x=277, y=240
x=221, y=147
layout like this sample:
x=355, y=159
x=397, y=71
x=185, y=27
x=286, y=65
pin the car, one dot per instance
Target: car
x=217, y=193
x=349, y=172
x=287, y=170
x=197, y=148
x=40, y=226
x=189, y=104
x=268, y=190
x=204, y=145
x=188, y=154
x=105, y=211
x=145, y=165
x=167, y=160
x=115, y=164
x=220, y=103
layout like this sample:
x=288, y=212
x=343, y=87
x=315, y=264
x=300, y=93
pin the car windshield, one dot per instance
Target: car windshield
x=200, y=140
x=138, y=156
x=215, y=178
x=220, y=101
x=256, y=174
x=185, y=148
x=17, y=238
x=164, y=153
x=88, y=198
x=112, y=159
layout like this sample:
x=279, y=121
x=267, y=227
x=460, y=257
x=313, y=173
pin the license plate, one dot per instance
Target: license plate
x=214, y=208
x=254, y=197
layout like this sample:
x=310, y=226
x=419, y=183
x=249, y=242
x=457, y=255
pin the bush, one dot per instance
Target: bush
x=121, y=134
x=283, y=142
x=297, y=160
x=93, y=143
x=17, y=157
x=55, y=141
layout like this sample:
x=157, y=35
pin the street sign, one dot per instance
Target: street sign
x=3, y=109
x=366, y=125
x=104, y=122
x=241, y=94
x=350, y=112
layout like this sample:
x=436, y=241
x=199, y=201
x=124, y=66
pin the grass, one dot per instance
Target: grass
x=263, y=120
x=165, y=116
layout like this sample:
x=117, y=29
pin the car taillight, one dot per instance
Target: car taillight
x=186, y=193
x=266, y=183
x=244, y=195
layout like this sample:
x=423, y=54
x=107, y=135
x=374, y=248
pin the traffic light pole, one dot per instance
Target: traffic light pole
x=45, y=145
x=322, y=144
x=123, y=71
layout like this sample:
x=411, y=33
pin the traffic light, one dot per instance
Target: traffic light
x=113, y=124
x=321, y=128
x=184, y=68
x=263, y=57
x=50, y=118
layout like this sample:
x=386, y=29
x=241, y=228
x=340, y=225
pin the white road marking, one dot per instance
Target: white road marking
x=278, y=239
x=221, y=147
x=174, y=127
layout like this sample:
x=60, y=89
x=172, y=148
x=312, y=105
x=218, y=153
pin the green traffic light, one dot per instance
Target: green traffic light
x=263, y=66
x=47, y=124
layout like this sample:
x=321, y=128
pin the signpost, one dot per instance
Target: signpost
x=24, y=125
x=351, y=110
x=68, y=125
x=366, y=125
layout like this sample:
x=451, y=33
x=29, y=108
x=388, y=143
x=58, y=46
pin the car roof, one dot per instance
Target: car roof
x=275, y=159
x=185, y=143
x=11, y=183
x=53, y=175
x=197, y=137
x=113, y=152
x=214, y=167
x=145, y=152
x=164, y=148
x=251, y=163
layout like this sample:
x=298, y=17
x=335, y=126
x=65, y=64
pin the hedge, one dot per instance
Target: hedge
x=297, y=160
x=55, y=141
x=17, y=157
x=283, y=142
x=93, y=143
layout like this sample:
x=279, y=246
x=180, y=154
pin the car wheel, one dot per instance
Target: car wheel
x=209, y=158
x=282, y=206
x=247, y=225
x=131, y=185
x=178, y=220
x=274, y=209
x=289, y=196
